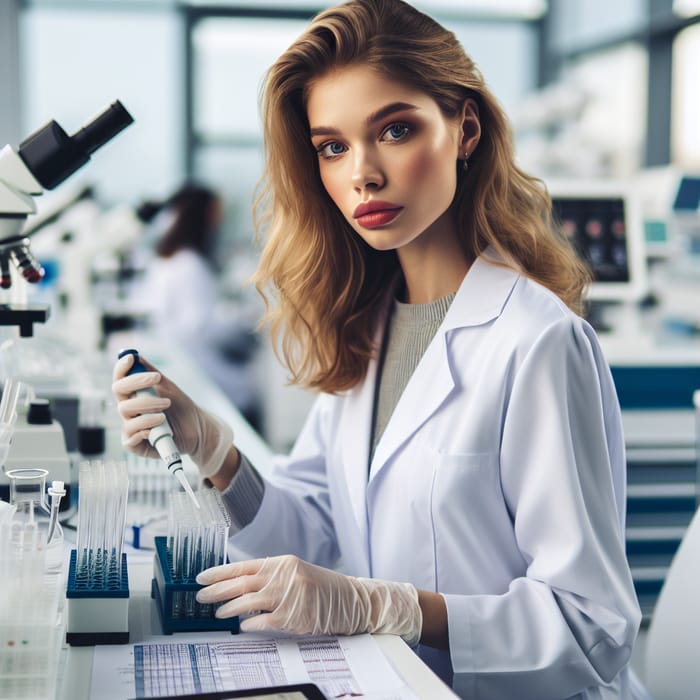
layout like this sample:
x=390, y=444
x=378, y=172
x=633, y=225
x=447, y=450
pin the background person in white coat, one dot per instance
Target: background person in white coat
x=187, y=306
x=464, y=462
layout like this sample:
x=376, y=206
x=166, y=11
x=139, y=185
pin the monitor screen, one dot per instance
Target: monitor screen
x=603, y=222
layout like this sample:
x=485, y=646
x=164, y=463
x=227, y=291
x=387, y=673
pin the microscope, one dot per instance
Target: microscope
x=43, y=160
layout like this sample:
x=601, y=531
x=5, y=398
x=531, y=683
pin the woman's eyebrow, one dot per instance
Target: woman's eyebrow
x=380, y=114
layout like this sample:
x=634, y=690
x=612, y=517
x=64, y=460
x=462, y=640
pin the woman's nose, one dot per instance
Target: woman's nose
x=367, y=172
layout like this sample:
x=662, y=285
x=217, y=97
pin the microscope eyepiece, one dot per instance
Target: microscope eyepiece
x=102, y=128
x=51, y=155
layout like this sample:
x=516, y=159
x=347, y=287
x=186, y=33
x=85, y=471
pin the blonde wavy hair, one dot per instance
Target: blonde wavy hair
x=322, y=285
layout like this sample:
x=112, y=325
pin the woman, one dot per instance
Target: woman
x=464, y=462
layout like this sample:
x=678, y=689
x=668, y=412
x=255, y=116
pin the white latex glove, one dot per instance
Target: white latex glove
x=287, y=593
x=197, y=433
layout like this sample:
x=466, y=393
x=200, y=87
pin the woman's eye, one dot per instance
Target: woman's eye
x=331, y=149
x=396, y=132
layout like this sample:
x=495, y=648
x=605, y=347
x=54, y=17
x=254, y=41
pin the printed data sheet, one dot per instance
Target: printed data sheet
x=339, y=666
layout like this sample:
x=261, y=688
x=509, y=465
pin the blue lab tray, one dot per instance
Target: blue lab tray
x=97, y=615
x=168, y=593
x=115, y=587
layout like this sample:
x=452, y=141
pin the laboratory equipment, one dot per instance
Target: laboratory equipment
x=91, y=422
x=161, y=437
x=197, y=539
x=8, y=416
x=57, y=370
x=685, y=223
x=149, y=489
x=37, y=438
x=31, y=623
x=98, y=583
x=603, y=221
x=28, y=495
x=43, y=160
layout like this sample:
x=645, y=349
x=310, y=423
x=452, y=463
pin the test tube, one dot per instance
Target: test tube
x=197, y=539
x=102, y=507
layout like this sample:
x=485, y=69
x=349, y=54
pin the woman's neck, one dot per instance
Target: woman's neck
x=432, y=273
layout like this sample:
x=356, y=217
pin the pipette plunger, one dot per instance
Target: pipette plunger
x=161, y=437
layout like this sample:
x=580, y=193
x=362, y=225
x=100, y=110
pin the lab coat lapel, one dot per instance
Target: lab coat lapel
x=480, y=298
x=355, y=440
x=427, y=388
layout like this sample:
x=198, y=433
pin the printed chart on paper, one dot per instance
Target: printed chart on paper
x=341, y=667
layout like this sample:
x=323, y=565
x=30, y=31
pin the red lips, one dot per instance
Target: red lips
x=371, y=207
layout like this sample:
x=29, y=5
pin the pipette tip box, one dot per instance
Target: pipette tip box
x=97, y=615
x=176, y=601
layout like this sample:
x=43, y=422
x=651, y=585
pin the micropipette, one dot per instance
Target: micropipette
x=161, y=437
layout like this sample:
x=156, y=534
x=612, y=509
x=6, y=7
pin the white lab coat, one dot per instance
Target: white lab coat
x=184, y=300
x=499, y=482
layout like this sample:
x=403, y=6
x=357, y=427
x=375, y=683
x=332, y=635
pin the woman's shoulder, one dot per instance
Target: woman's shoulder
x=540, y=301
x=534, y=315
x=495, y=292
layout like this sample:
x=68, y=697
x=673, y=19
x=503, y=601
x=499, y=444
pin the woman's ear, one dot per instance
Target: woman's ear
x=470, y=128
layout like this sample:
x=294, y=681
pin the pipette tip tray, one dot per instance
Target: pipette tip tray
x=179, y=611
x=97, y=614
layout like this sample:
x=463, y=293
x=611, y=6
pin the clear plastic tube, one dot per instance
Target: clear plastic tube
x=56, y=492
x=102, y=507
x=197, y=539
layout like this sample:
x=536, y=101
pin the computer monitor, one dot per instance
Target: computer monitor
x=604, y=223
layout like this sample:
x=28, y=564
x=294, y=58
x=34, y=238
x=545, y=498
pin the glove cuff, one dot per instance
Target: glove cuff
x=394, y=609
x=215, y=440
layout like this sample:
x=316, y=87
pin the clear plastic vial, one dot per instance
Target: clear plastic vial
x=28, y=494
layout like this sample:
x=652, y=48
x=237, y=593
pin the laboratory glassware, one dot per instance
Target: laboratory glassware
x=28, y=495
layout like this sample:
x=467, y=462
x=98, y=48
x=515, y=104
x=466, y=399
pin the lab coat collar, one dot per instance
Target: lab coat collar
x=482, y=294
x=479, y=299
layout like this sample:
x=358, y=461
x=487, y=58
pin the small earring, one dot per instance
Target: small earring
x=465, y=162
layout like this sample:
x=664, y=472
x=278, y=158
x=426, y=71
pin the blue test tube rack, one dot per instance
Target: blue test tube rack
x=97, y=615
x=177, y=607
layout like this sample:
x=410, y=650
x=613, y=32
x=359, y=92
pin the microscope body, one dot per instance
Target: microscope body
x=18, y=187
x=44, y=160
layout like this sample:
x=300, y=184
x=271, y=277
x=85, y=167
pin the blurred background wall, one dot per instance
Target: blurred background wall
x=594, y=89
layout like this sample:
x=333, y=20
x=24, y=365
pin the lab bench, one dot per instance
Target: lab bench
x=76, y=662
x=76, y=668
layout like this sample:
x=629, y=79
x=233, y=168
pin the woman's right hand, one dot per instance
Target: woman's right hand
x=196, y=432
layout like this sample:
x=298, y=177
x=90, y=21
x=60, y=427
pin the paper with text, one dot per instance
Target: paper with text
x=342, y=667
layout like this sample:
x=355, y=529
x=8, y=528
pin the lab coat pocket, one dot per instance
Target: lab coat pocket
x=467, y=510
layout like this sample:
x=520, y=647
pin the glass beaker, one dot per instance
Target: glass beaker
x=28, y=494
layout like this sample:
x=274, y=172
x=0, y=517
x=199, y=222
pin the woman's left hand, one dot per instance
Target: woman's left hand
x=287, y=593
